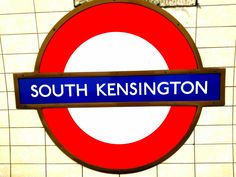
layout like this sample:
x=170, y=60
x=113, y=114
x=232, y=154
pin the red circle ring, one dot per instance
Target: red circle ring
x=155, y=26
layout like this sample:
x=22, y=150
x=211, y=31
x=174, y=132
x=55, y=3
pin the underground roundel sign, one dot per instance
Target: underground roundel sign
x=119, y=85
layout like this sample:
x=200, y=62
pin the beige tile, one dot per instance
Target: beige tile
x=216, y=37
x=185, y=15
x=213, y=134
x=4, y=154
x=13, y=6
x=215, y=2
x=4, y=170
x=216, y=116
x=4, y=136
x=53, y=5
x=55, y=155
x=20, y=63
x=228, y=96
x=176, y=170
x=46, y=21
x=88, y=173
x=2, y=83
x=17, y=23
x=27, y=136
x=11, y=100
x=4, y=118
x=3, y=102
x=207, y=16
x=217, y=57
x=214, y=170
x=213, y=153
x=10, y=82
x=1, y=65
x=24, y=118
x=25, y=43
x=29, y=170
x=27, y=154
x=184, y=155
x=60, y=170
x=152, y=172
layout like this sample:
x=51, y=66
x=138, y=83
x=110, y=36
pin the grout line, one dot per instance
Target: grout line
x=234, y=72
x=9, y=123
x=35, y=12
x=194, y=132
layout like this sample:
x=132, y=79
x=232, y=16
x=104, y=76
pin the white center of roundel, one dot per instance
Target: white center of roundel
x=117, y=51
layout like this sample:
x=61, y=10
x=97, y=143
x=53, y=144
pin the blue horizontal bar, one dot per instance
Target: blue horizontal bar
x=116, y=89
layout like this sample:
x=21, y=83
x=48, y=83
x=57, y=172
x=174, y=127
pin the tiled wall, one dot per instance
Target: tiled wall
x=27, y=151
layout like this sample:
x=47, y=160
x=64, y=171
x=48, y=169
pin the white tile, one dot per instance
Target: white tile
x=24, y=118
x=184, y=155
x=185, y=15
x=215, y=2
x=13, y=6
x=20, y=23
x=27, y=154
x=4, y=118
x=49, y=140
x=55, y=155
x=190, y=140
x=176, y=170
x=192, y=33
x=59, y=170
x=21, y=170
x=207, y=16
x=27, y=136
x=3, y=102
x=213, y=153
x=20, y=63
x=1, y=65
x=26, y=43
x=10, y=82
x=216, y=37
x=2, y=83
x=4, y=170
x=53, y=5
x=88, y=173
x=228, y=96
x=216, y=116
x=46, y=21
x=214, y=170
x=217, y=57
x=0, y=46
x=4, y=136
x=11, y=100
x=5, y=155
x=151, y=172
x=42, y=37
x=213, y=134
x=229, y=77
